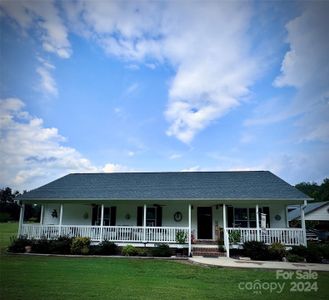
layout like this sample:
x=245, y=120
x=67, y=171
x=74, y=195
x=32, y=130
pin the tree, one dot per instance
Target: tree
x=315, y=191
x=9, y=209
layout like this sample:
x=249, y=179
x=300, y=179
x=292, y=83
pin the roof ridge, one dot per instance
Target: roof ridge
x=167, y=172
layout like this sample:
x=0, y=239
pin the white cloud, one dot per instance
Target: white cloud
x=31, y=154
x=175, y=156
x=44, y=15
x=192, y=169
x=131, y=88
x=305, y=67
x=206, y=44
x=111, y=168
x=47, y=81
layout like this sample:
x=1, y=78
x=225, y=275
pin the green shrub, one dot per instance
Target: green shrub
x=181, y=237
x=17, y=245
x=142, y=252
x=61, y=246
x=129, y=250
x=256, y=250
x=299, y=250
x=80, y=245
x=324, y=249
x=41, y=246
x=294, y=258
x=107, y=248
x=235, y=237
x=312, y=253
x=277, y=251
x=161, y=250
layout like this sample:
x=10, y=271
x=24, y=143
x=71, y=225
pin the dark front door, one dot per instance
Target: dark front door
x=204, y=223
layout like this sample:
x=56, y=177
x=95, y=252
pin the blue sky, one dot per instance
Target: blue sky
x=96, y=86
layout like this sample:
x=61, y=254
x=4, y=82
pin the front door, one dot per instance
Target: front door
x=204, y=223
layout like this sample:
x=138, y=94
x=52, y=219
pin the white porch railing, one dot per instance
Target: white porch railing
x=110, y=233
x=286, y=236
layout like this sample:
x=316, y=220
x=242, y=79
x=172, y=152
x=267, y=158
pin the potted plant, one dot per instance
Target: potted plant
x=181, y=237
x=235, y=238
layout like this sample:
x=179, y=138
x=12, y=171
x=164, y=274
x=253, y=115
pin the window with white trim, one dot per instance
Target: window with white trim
x=245, y=217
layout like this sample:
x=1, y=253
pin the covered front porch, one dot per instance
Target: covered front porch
x=148, y=223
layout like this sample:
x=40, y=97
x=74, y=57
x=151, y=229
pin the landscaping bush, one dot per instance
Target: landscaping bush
x=256, y=250
x=107, y=248
x=161, y=250
x=181, y=237
x=129, y=250
x=294, y=258
x=324, y=249
x=277, y=251
x=41, y=246
x=17, y=245
x=142, y=252
x=61, y=246
x=80, y=245
x=312, y=253
x=299, y=250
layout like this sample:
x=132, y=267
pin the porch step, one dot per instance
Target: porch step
x=205, y=242
x=207, y=251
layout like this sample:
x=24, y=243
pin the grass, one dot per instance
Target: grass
x=41, y=277
x=7, y=230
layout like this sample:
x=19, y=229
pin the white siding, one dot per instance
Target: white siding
x=47, y=217
x=320, y=214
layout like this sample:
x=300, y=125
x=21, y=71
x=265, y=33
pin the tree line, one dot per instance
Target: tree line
x=319, y=192
x=10, y=209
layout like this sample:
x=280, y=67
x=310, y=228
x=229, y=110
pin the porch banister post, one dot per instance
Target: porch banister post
x=102, y=222
x=286, y=215
x=21, y=219
x=60, y=220
x=189, y=230
x=41, y=215
x=226, y=240
x=144, y=222
x=302, y=219
x=257, y=222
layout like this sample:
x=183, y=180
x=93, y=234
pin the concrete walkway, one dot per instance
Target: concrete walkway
x=253, y=264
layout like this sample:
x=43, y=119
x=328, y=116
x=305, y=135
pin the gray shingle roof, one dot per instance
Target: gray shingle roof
x=244, y=185
x=295, y=214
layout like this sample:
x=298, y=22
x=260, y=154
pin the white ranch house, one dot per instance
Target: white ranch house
x=145, y=209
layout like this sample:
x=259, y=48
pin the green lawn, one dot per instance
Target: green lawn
x=7, y=230
x=33, y=277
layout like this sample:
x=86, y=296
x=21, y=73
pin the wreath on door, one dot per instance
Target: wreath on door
x=178, y=216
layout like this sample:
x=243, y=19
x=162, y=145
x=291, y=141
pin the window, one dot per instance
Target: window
x=151, y=217
x=109, y=215
x=245, y=217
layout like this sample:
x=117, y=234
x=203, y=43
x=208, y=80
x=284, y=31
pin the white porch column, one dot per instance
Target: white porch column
x=144, y=222
x=41, y=214
x=302, y=220
x=189, y=229
x=286, y=215
x=226, y=239
x=21, y=219
x=102, y=222
x=257, y=222
x=60, y=220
